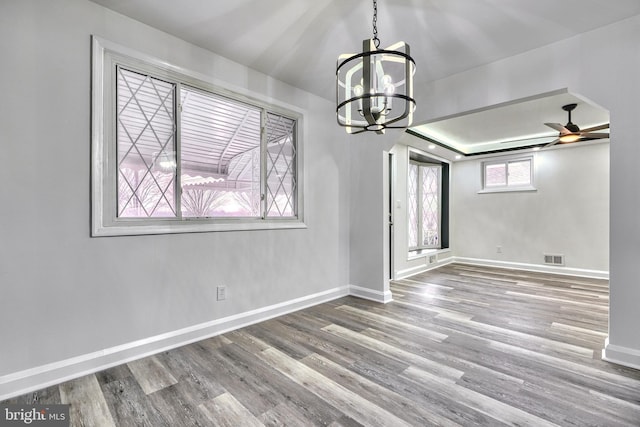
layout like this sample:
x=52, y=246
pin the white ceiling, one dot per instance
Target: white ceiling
x=298, y=41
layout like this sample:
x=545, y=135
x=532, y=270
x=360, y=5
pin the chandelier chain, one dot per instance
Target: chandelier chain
x=376, y=40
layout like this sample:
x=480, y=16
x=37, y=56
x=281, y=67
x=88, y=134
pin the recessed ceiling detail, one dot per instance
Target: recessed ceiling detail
x=518, y=124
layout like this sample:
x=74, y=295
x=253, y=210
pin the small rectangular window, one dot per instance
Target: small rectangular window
x=519, y=172
x=514, y=174
x=495, y=175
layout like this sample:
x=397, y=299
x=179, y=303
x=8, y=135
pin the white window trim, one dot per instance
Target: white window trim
x=507, y=188
x=105, y=55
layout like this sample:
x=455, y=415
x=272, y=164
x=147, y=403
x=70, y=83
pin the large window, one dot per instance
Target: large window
x=172, y=153
x=425, y=201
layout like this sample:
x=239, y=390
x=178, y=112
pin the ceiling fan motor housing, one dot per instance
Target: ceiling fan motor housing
x=570, y=126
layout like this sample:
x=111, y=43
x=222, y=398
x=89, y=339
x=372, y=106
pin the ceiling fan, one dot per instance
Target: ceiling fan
x=572, y=133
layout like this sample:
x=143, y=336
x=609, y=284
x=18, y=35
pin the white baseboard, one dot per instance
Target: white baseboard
x=401, y=274
x=28, y=380
x=620, y=355
x=578, y=272
x=370, y=294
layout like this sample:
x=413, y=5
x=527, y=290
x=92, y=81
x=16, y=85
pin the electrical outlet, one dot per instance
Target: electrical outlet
x=221, y=292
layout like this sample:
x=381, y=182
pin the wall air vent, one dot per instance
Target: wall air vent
x=552, y=259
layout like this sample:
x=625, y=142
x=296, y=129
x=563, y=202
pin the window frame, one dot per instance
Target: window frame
x=508, y=187
x=106, y=57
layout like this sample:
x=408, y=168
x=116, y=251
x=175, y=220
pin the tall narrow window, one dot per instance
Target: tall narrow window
x=424, y=205
x=146, y=146
x=430, y=176
x=281, y=159
x=413, y=199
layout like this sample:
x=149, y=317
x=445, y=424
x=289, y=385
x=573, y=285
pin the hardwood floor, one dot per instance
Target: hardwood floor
x=460, y=345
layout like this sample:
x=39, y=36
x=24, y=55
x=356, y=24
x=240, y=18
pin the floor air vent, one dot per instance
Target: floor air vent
x=554, y=259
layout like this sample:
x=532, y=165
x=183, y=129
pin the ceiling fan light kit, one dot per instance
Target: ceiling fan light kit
x=374, y=88
x=569, y=138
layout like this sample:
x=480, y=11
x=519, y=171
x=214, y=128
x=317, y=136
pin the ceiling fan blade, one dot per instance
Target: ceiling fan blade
x=599, y=127
x=593, y=135
x=557, y=126
x=554, y=142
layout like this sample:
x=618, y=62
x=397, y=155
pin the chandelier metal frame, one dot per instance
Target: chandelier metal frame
x=368, y=83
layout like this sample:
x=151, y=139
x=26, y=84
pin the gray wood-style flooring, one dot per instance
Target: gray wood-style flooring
x=459, y=345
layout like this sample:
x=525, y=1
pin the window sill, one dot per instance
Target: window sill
x=526, y=188
x=174, y=227
x=424, y=253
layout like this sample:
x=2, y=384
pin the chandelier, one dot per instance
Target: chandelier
x=374, y=89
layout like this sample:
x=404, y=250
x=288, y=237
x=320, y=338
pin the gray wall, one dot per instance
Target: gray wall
x=64, y=294
x=568, y=214
x=368, y=235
